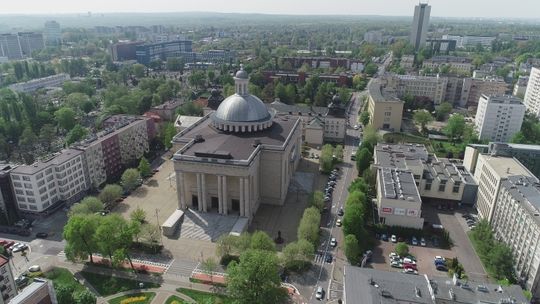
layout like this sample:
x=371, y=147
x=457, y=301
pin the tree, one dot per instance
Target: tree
x=371, y=69
x=79, y=235
x=169, y=131
x=443, y=110
x=144, y=167
x=316, y=200
x=261, y=241
x=46, y=136
x=197, y=79
x=326, y=160
x=338, y=152
x=110, y=194
x=353, y=221
x=65, y=117
x=455, y=127
x=422, y=117
x=138, y=70
x=175, y=64
x=370, y=137
x=114, y=236
x=84, y=297
x=255, y=279
x=364, y=118
x=402, y=249
x=64, y=293
x=27, y=140
x=308, y=229
x=130, y=179
x=352, y=249
x=89, y=205
x=363, y=159
x=298, y=255
x=138, y=215
x=76, y=134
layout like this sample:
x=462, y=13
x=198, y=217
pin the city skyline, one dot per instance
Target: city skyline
x=441, y=8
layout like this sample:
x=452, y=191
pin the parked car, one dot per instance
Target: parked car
x=34, y=268
x=340, y=212
x=396, y=264
x=21, y=281
x=356, y=127
x=329, y=258
x=409, y=261
x=393, y=255
x=414, y=241
x=423, y=242
x=338, y=223
x=384, y=237
x=333, y=242
x=410, y=271
x=42, y=235
x=441, y=267
x=393, y=238
x=409, y=265
x=20, y=247
x=319, y=294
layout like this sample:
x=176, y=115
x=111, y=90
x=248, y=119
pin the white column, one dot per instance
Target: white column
x=204, y=201
x=199, y=191
x=224, y=196
x=220, y=193
x=241, y=182
x=247, y=197
x=180, y=190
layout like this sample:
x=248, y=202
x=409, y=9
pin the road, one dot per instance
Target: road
x=330, y=275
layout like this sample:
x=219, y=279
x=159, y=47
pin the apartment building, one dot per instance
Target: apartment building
x=124, y=141
x=8, y=206
x=420, y=25
x=466, y=41
x=516, y=222
x=161, y=51
x=473, y=88
x=39, y=83
x=459, y=65
x=431, y=87
x=489, y=173
x=528, y=155
x=407, y=61
x=39, y=292
x=325, y=62
x=59, y=178
x=124, y=50
x=532, y=94
x=53, y=33
x=499, y=118
x=415, y=173
x=341, y=80
x=10, y=47
x=375, y=37
x=8, y=289
x=520, y=88
x=30, y=42
x=385, y=109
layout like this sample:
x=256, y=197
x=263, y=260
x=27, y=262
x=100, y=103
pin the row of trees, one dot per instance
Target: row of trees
x=357, y=209
x=330, y=155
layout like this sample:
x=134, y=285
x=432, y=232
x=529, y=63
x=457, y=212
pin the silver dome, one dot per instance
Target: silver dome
x=241, y=74
x=242, y=109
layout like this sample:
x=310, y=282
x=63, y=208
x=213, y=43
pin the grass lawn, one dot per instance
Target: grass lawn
x=456, y=149
x=403, y=137
x=107, y=285
x=62, y=276
x=175, y=300
x=145, y=298
x=204, y=297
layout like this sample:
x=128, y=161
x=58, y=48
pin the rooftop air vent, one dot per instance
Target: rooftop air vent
x=256, y=142
x=198, y=138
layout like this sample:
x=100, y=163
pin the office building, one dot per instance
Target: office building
x=238, y=157
x=459, y=65
x=532, y=94
x=341, y=80
x=385, y=109
x=324, y=63
x=8, y=205
x=8, y=289
x=473, y=88
x=124, y=50
x=371, y=286
x=489, y=172
x=430, y=87
x=515, y=222
x=10, y=47
x=161, y=51
x=50, y=181
x=41, y=291
x=407, y=176
x=375, y=37
x=407, y=61
x=53, y=33
x=122, y=142
x=470, y=41
x=520, y=88
x=440, y=46
x=499, y=118
x=319, y=124
x=210, y=56
x=30, y=42
x=420, y=25
x=53, y=81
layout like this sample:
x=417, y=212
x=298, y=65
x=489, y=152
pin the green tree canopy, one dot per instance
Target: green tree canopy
x=298, y=255
x=110, y=194
x=364, y=118
x=144, y=167
x=363, y=159
x=422, y=117
x=402, y=249
x=65, y=117
x=261, y=241
x=130, y=179
x=455, y=127
x=79, y=233
x=352, y=249
x=76, y=134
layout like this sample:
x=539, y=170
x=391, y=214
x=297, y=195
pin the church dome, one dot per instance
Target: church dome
x=242, y=112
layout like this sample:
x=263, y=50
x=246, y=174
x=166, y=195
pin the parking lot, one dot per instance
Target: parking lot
x=462, y=248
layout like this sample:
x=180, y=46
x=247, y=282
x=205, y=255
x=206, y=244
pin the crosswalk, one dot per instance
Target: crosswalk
x=181, y=268
x=320, y=258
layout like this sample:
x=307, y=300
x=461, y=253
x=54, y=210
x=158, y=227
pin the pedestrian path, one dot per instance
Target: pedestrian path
x=181, y=268
x=206, y=226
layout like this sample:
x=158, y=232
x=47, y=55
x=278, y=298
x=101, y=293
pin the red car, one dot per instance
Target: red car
x=409, y=265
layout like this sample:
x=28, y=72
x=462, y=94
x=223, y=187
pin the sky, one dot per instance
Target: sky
x=440, y=8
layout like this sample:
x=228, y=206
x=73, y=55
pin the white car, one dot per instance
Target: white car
x=319, y=294
x=356, y=127
x=423, y=242
x=393, y=255
x=409, y=261
x=414, y=241
x=34, y=268
x=410, y=271
x=333, y=242
x=393, y=238
x=20, y=247
x=338, y=222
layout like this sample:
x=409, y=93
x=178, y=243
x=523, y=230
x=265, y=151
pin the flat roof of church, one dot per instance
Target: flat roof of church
x=237, y=146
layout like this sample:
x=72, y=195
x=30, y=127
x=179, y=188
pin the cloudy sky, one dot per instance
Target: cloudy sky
x=440, y=8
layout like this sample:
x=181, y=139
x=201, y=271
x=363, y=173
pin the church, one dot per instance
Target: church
x=237, y=157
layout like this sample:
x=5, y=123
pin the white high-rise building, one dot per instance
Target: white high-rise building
x=532, y=94
x=420, y=25
x=53, y=34
x=498, y=118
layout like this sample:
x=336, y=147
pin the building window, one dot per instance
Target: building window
x=442, y=187
x=428, y=186
x=26, y=178
x=28, y=186
x=17, y=184
x=15, y=177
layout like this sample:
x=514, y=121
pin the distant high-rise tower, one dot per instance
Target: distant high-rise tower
x=420, y=25
x=53, y=34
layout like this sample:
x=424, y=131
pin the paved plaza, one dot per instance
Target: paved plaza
x=206, y=226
